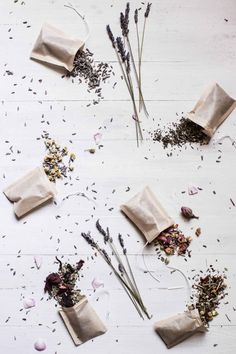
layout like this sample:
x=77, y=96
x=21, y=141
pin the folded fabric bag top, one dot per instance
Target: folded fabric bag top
x=82, y=321
x=145, y=211
x=213, y=107
x=30, y=191
x=55, y=47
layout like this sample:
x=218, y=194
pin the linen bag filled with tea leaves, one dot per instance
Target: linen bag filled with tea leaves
x=30, y=191
x=55, y=47
x=82, y=321
x=176, y=329
x=145, y=211
x=213, y=107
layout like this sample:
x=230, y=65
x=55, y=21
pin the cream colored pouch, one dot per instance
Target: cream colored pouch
x=82, y=322
x=145, y=211
x=55, y=47
x=30, y=191
x=213, y=107
x=176, y=329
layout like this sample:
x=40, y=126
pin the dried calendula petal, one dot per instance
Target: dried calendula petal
x=198, y=232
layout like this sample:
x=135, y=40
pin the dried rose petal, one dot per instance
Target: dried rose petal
x=192, y=190
x=40, y=345
x=96, y=283
x=52, y=279
x=97, y=138
x=28, y=303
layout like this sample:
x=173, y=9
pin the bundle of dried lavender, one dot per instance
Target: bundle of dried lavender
x=123, y=273
x=208, y=291
x=124, y=53
x=62, y=285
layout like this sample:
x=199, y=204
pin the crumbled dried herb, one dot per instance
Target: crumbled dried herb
x=53, y=163
x=172, y=241
x=180, y=133
x=208, y=291
x=62, y=285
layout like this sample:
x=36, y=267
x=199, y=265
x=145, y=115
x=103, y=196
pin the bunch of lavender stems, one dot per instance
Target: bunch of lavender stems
x=140, y=48
x=124, y=62
x=125, y=277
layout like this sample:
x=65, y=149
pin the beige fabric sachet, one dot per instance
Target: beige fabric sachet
x=213, y=107
x=176, y=329
x=145, y=211
x=30, y=191
x=55, y=47
x=82, y=321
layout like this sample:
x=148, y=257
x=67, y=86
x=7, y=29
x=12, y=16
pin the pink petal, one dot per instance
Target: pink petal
x=192, y=190
x=97, y=283
x=40, y=345
x=97, y=138
x=38, y=261
x=28, y=303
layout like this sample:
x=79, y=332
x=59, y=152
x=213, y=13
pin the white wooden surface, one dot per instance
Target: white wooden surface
x=188, y=45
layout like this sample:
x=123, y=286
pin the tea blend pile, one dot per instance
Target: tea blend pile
x=62, y=285
x=172, y=241
x=180, y=133
x=208, y=291
x=53, y=163
x=89, y=72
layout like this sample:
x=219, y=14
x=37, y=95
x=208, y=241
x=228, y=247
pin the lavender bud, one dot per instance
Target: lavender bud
x=146, y=14
x=110, y=35
x=188, y=213
x=136, y=16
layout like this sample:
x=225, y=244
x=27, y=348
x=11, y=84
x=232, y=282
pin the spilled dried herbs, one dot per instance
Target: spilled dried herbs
x=62, y=286
x=180, y=133
x=172, y=241
x=53, y=163
x=208, y=291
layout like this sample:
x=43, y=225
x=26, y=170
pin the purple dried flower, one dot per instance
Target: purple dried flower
x=146, y=14
x=79, y=264
x=52, y=279
x=136, y=16
x=121, y=49
x=188, y=213
x=110, y=35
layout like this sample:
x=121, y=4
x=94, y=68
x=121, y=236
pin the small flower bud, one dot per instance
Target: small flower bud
x=188, y=213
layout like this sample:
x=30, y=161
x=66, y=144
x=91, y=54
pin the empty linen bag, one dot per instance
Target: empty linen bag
x=145, y=211
x=176, y=329
x=213, y=107
x=30, y=191
x=55, y=47
x=82, y=321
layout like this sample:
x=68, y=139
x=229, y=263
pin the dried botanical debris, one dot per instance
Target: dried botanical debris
x=62, y=286
x=180, y=133
x=172, y=241
x=208, y=291
x=53, y=163
x=187, y=213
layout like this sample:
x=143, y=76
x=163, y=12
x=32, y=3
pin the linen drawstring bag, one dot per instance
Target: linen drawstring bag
x=176, y=329
x=82, y=321
x=145, y=211
x=213, y=107
x=30, y=191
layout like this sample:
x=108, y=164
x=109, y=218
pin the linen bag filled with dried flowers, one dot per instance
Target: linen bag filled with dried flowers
x=55, y=47
x=213, y=107
x=82, y=321
x=145, y=211
x=176, y=329
x=30, y=191
x=79, y=317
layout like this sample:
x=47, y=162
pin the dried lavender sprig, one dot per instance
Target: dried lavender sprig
x=105, y=256
x=148, y=8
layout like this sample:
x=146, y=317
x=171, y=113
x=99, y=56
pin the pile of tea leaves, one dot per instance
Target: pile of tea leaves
x=62, y=286
x=172, y=241
x=208, y=291
x=53, y=163
x=180, y=133
x=93, y=74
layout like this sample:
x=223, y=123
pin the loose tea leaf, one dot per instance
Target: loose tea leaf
x=53, y=163
x=62, y=285
x=208, y=291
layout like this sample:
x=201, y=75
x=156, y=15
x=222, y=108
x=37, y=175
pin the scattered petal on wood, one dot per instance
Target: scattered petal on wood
x=97, y=138
x=40, y=345
x=28, y=303
x=192, y=190
x=96, y=283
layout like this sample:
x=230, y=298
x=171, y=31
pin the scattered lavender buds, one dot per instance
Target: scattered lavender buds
x=53, y=164
x=208, y=291
x=187, y=213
